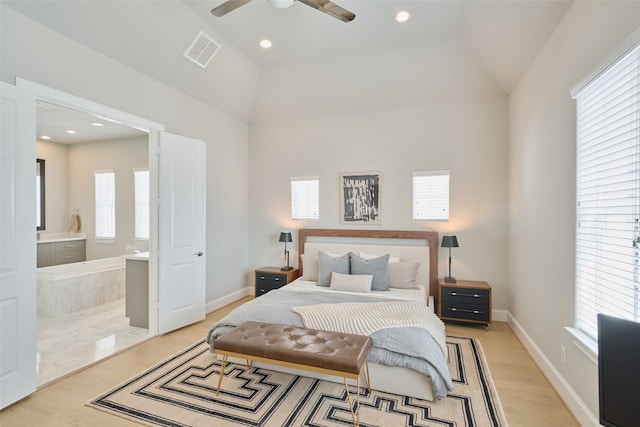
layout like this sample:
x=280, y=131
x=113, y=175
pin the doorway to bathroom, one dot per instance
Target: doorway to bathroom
x=95, y=224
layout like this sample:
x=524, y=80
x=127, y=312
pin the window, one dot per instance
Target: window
x=430, y=195
x=305, y=198
x=608, y=194
x=105, y=204
x=141, y=205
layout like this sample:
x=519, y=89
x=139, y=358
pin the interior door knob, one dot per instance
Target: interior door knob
x=199, y=253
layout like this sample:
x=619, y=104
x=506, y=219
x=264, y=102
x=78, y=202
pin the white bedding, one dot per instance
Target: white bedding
x=419, y=294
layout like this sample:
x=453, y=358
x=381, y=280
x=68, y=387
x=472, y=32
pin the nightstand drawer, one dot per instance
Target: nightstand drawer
x=268, y=282
x=263, y=288
x=270, y=278
x=465, y=295
x=459, y=310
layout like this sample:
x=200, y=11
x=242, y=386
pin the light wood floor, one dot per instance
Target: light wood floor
x=527, y=397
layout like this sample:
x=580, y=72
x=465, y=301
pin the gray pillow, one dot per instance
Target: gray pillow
x=328, y=264
x=377, y=267
x=403, y=275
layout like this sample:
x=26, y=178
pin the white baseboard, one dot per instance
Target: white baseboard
x=228, y=299
x=566, y=392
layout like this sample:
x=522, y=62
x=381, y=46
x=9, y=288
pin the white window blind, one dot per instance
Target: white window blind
x=141, y=205
x=305, y=197
x=105, y=183
x=608, y=195
x=430, y=195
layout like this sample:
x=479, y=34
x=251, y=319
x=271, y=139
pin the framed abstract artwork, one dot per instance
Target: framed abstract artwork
x=360, y=197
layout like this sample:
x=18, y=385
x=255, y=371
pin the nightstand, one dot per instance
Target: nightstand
x=270, y=278
x=465, y=301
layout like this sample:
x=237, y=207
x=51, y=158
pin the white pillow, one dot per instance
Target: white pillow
x=351, y=282
x=402, y=275
x=310, y=267
x=369, y=256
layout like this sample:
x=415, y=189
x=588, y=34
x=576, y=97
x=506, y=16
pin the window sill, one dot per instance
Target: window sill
x=104, y=240
x=585, y=344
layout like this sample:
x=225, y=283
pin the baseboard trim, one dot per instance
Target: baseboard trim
x=228, y=299
x=576, y=405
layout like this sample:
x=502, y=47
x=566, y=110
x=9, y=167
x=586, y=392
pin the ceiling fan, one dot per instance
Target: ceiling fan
x=325, y=6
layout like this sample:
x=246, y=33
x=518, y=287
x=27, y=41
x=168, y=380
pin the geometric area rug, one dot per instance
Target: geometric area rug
x=181, y=391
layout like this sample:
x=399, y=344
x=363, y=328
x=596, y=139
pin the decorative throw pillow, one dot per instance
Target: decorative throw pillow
x=377, y=267
x=351, y=282
x=328, y=264
x=402, y=275
x=309, y=267
x=369, y=256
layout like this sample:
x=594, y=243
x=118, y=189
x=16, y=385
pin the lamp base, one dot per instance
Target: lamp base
x=450, y=280
x=286, y=268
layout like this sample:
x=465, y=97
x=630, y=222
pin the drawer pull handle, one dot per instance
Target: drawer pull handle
x=465, y=311
x=69, y=246
x=69, y=257
x=276, y=279
x=261, y=277
x=455, y=294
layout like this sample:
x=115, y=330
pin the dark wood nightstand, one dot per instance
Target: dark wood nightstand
x=465, y=301
x=270, y=278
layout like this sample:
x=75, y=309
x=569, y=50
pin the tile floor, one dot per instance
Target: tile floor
x=73, y=341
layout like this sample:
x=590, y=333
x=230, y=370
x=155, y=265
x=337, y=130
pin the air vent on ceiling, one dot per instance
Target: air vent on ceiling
x=201, y=49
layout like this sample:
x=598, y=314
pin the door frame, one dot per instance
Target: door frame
x=55, y=96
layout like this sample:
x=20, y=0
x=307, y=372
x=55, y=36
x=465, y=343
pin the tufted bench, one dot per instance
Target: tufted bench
x=332, y=353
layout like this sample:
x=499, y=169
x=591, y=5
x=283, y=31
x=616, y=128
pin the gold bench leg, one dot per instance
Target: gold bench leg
x=366, y=375
x=224, y=363
x=355, y=415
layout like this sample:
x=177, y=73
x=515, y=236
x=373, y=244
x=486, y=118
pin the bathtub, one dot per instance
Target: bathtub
x=65, y=288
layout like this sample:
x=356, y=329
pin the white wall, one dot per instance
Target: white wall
x=469, y=138
x=56, y=185
x=122, y=156
x=542, y=191
x=34, y=52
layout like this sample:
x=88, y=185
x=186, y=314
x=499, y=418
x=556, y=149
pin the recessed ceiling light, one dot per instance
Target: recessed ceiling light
x=97, y=124
x=71, y=131
x=402, y=16
x=45, y=137
x=266, y=44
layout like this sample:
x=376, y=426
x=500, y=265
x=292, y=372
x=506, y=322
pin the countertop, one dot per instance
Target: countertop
x=60, y=237
x=140, y=256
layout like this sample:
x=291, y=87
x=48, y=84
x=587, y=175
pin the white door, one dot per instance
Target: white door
x=181, y=216
x=17, y=244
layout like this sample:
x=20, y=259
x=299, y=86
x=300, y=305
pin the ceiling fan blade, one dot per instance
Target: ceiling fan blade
x=228, y=6
x=331, y=9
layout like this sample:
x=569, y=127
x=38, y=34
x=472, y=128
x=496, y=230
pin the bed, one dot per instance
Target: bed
x=408, y=359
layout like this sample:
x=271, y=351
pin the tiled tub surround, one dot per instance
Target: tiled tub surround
x=63, y=289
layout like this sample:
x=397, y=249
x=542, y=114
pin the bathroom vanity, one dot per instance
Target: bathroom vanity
x=137, y=289
x=61, y=248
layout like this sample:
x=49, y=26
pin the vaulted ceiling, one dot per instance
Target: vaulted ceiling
x=317, y=65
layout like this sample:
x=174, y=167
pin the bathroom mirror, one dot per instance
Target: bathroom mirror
x=40, y=216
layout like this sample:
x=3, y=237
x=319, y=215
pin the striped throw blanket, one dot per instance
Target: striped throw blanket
x=365, y=318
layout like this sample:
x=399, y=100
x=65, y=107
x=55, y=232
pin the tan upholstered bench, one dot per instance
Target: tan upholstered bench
x=332, y=353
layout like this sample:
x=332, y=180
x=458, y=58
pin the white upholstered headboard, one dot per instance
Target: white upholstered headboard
x=421, y=246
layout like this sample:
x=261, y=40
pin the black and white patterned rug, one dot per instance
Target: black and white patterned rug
x=181, y=391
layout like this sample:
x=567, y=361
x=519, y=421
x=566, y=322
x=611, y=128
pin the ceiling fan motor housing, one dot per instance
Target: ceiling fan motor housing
x=281, y=4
